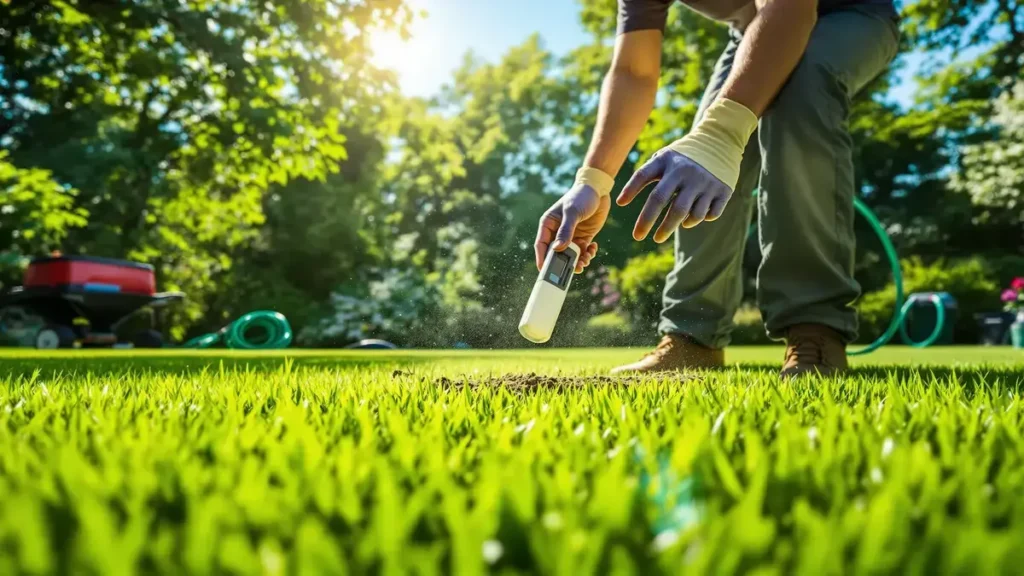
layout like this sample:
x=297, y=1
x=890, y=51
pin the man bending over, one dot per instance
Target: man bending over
x=788, y=74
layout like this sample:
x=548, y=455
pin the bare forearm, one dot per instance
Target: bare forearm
x=626, y=102
x=771, y=49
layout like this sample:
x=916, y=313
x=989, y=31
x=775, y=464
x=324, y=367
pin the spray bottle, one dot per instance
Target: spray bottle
x=548, y=294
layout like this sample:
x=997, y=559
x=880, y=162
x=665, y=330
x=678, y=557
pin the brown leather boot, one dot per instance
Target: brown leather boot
x=675, y=352
x=813, y=349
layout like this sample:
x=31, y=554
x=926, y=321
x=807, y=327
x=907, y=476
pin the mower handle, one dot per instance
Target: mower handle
x=164, y=298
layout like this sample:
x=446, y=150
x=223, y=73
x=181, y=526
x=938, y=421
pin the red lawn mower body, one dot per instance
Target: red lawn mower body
x=95, y=274
x=82, y=300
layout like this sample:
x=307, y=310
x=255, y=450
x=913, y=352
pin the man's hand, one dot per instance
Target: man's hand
x=576, y=217
x=627, y=97
x=696, y=174
x=690, y=193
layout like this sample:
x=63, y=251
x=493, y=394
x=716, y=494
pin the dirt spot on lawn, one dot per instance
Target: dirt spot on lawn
x=532, y=381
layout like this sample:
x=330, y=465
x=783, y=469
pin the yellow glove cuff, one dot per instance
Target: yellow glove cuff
x=596, y=179
x=718, y=140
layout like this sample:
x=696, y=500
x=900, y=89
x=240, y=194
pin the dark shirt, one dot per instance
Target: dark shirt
x=651, y=14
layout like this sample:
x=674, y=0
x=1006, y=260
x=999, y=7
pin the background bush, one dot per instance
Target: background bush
x=640, y=283
x=972, y=282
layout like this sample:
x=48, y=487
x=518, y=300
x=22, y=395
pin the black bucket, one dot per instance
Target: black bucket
x=994, y=327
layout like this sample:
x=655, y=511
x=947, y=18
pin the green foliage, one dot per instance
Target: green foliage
x=640, y=283
x=182, y=117
x=993, y=171
x=387, y=304
x=36, y=215
x=312, y=463
x=1004, y=268
x=245, y=289
x=748, y=327
x=37, y=212
x=972, y=53
x=610, y=329
x=971, y=282
x=941, y=27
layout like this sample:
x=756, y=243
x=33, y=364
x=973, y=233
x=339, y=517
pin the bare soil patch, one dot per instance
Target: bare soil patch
x=533, y=381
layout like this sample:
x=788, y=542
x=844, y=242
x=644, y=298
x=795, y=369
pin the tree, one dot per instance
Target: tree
x=180, y=116
x=973, y=48
x=36, y=214
x=993, y=171
x=972, y=53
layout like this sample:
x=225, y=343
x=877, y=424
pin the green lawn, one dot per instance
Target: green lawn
x=306, y=462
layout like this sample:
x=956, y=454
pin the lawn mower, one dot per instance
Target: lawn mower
x=81, y=301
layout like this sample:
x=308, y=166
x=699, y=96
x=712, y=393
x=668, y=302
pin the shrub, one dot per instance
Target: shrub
x=749, y=327
x=389, y=304
x=609, y=329
x=250, y=288
x=971, y=282
x=1005, y=267
x=640, y=283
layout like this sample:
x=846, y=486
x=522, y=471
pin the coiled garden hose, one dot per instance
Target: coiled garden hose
x=272, y=328
x=902, y=309
x=899, y=315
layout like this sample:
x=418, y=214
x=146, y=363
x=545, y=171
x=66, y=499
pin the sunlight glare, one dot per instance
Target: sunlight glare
x=413, y=59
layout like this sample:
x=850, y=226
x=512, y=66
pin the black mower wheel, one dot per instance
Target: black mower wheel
x=148, y=339
x=54, y=336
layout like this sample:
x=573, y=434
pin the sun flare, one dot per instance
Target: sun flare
x=414, y=57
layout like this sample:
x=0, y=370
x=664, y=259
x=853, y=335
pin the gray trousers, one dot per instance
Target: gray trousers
x=801, y=160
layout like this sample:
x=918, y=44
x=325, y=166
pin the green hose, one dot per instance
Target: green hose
x=899, y=316
x=275, y=333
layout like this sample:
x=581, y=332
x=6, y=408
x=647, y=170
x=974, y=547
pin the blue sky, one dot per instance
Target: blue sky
x=488, y=28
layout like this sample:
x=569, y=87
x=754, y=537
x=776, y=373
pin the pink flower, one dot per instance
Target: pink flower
x=1009, y=295
x=1017, y=284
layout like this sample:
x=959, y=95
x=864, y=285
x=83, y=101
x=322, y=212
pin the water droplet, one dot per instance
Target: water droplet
x=665, y=540
x=887, y=447
x=876, y=475
x=552, y=521
x=492, y=551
